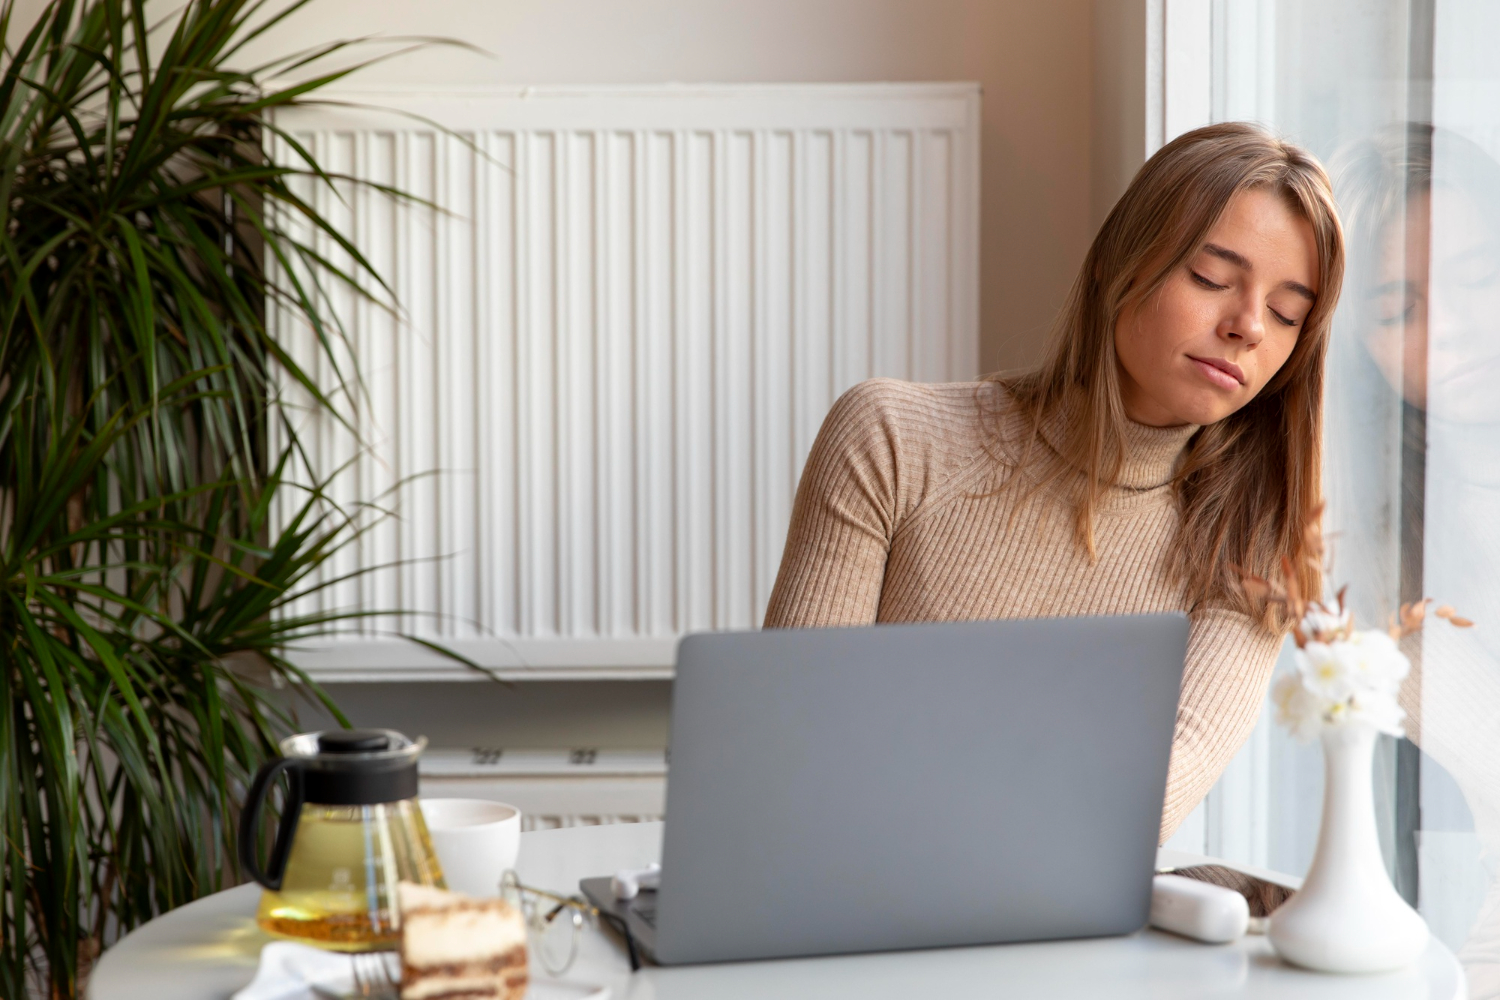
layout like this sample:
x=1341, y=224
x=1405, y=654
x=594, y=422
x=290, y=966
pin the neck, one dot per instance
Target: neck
x=1151, y=454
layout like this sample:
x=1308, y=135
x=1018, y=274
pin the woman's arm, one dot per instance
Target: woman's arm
x=843, y=518
x=1229, y=663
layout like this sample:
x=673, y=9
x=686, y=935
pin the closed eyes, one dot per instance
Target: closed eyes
x=1215, y=286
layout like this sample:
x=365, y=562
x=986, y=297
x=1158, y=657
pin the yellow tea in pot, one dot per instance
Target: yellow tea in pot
x=339, y=887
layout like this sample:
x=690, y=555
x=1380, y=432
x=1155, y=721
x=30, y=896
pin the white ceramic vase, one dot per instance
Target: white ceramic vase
x=1347, y=917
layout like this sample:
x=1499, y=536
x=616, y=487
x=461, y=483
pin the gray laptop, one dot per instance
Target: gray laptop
x=912, y=786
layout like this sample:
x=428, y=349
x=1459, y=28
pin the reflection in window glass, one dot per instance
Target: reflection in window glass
x=1402, y=101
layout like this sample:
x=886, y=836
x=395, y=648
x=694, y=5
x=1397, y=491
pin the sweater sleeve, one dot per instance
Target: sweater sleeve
x=1230, y=658
x=843, y=518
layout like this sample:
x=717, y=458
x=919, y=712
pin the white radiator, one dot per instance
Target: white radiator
x=581, y=786
x=624, y=315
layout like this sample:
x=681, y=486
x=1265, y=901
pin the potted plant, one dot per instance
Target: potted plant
x=138, y=556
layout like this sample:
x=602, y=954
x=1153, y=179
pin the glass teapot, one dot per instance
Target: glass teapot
x=350, y=830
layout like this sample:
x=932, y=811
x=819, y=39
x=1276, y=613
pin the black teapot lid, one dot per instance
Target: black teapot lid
x=355, y=740
x=356, y=766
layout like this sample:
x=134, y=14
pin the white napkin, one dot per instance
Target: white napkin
x=289, y=971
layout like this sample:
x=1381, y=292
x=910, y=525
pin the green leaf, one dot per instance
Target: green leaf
x=146, y=236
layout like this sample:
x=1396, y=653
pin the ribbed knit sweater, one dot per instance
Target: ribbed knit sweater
x=908, y=511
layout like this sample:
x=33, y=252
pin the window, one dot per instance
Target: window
x=1402, y=101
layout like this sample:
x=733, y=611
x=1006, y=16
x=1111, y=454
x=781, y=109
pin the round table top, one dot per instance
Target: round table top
x=209, y=949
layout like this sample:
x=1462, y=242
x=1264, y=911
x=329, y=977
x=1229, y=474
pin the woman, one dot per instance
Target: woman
x=1168, y=441
x=1423, y=207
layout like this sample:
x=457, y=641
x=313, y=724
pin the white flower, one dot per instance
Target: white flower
x=1353, y=679
x=1376, y=660
x=1297, y=708
x=1325, y=670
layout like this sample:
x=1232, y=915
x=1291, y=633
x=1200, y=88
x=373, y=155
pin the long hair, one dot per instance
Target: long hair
x=1250, y=483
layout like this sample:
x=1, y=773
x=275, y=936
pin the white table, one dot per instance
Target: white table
x=208, y=949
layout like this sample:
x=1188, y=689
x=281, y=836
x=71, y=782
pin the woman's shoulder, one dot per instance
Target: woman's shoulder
x=912, y=437
x=934, y=413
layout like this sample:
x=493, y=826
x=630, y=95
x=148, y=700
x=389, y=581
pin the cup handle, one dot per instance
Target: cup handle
x=250, y=817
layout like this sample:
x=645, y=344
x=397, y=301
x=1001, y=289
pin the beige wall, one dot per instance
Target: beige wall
x=1032, y=57
x=1119, y=95
x=1045, y=179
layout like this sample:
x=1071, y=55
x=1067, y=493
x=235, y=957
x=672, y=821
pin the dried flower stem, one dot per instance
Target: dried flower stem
x=1338, y=621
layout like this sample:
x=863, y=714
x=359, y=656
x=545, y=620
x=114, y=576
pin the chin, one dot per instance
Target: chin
x=1214, y=415
x=1203, y=411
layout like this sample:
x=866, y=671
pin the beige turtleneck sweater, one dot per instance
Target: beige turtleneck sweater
x=899, y=518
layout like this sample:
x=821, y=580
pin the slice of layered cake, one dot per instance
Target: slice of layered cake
x=454, y=946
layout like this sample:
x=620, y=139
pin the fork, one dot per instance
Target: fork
x=373, y=979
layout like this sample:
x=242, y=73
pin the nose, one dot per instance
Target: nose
x=1244, y=325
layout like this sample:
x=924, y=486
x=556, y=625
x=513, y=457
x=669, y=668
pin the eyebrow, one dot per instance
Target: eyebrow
x=1241, y=261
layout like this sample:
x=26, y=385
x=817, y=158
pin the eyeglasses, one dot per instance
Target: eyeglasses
x=556, y=923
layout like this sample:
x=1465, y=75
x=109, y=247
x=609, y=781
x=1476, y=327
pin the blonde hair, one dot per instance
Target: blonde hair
x=1249, y=483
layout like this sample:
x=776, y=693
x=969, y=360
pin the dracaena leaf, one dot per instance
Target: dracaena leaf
x=135, y=409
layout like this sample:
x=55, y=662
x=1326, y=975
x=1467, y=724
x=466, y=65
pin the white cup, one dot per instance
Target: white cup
x=475, y=840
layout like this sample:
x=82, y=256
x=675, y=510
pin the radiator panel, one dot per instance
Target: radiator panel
x=624, y=314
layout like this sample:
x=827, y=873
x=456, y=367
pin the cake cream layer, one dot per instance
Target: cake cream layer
x=457, y=948
x=458, y=937
x=448, y=929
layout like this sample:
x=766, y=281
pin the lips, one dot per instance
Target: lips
x=1223, y=373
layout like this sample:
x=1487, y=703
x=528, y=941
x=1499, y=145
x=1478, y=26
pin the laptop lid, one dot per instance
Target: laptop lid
x=909, y=786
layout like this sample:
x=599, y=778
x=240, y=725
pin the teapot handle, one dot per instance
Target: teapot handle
x=250, y=817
